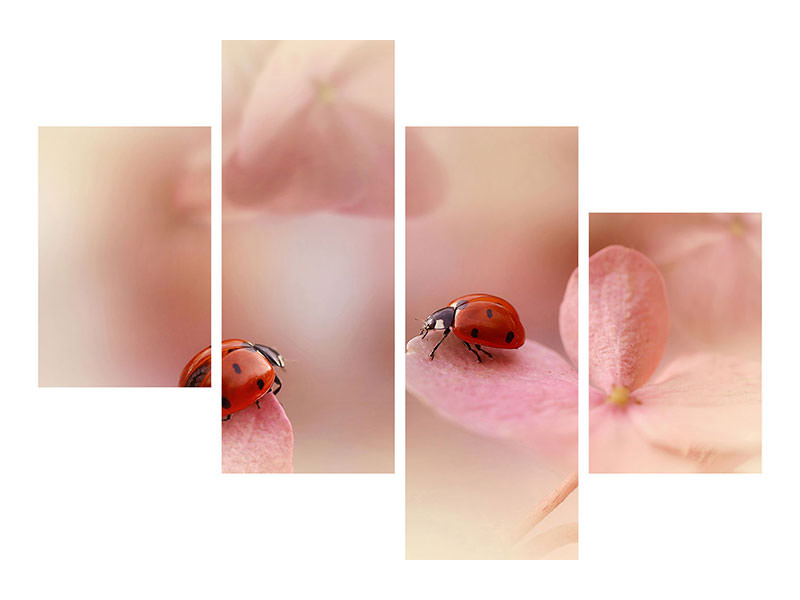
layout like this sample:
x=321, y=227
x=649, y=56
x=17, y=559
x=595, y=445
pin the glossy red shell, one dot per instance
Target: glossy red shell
x=488, y=321
x=246, y=374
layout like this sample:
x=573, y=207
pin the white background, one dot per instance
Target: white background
x=117, y=492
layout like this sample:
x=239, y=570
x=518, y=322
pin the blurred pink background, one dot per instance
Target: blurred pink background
x=320, y=289
x=124, y=265
x=505, y=222
x=305, y=269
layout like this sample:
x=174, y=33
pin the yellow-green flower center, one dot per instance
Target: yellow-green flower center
x=325, y=93
x=619, y=395
x=737, y=227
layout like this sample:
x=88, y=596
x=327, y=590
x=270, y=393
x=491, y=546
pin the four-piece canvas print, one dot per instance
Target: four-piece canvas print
x=493, y=299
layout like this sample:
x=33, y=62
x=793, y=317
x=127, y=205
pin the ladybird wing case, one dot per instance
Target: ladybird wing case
x=246, y=376
x=197, y=372
x=489, y=324
x=233, y=344
x=487, y=298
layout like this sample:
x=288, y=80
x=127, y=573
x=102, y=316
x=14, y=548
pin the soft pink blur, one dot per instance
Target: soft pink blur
x=308, y=136
x=503, y=221
x=124, y=254
x=309, y=126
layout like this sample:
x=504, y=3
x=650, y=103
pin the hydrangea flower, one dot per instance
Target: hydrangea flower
x=309, y=126
x=700, y=412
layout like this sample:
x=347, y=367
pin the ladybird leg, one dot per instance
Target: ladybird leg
x=478, y=346
x=471, y=349
x=280, y=385
x=228, y=418
x=444, y=335
x=258, y=403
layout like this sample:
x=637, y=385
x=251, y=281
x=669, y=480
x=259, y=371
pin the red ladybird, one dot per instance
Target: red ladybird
x=248, y=372
x=480, y=319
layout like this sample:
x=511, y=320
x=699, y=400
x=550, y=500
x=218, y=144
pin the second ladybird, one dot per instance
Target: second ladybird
x=477, y=320
x=248, y=373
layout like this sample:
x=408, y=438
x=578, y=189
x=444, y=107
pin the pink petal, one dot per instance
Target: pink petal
x=596, y=397
x=617, y=446
x=568, y=318
x=628, y=318
x=722, y=311
x=529, y=394
x=318, y=131
x=703, y=407
x=242, y=64
x=258, y=440
x=719, y=313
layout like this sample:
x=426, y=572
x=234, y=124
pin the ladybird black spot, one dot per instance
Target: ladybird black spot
x=474, y=333
x=489, y=313
x=237, y=368
x=509, y=337
x=225, y=403
x=260, y=383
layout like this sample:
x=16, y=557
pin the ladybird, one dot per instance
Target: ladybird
x=479, y=320
x=248, y=373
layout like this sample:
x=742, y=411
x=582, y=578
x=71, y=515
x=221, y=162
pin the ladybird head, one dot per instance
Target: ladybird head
x=272, y=355
x=441, y=319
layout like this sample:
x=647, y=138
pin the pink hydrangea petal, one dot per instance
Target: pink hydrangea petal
x=703, y=407
x=528, y=395
x=292, y=79
x=242, y=64
x=568, y=318
x=258, y=440
x=722, y=311
x=628, y=318
x=318, y=131
x=617, y=446
x=670, y=237
x=678, y=236
x=596, y=397
x=719, y=313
